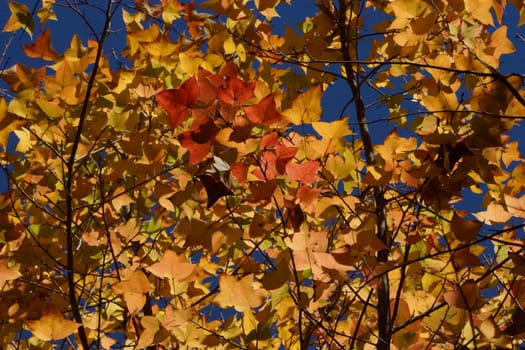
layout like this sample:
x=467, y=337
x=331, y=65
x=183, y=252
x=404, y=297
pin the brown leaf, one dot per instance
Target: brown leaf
x=464, y=229
x=467, y=297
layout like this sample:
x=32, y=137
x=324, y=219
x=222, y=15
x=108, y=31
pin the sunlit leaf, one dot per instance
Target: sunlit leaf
x=42, y=48
x=20, y=18
x=265, y=112
x=133, y=290
x=332, y=130
x=242, y=294
x=306, y=107
x=52, y=325
x=8, y=123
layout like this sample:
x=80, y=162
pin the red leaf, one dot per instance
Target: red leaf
x=240, y=171
x=177, y=102
x=230, y=89
x=207, y=92
x=174, y=102
x=198, y=141
x=305, y=173
x=265, y=112
x=284, y=155
x=269, y=140
x=267, y=167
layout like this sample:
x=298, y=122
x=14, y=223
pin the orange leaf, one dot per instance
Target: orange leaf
x=305, y=173
x=480, y=10
x=173, y=267
x=133, y=290
x=153, y=332
x=495, y=214
x=42, y=48
x=339, y=260
x=265, y=112
x=242, y=294
x=308, y=197
x=52, y=325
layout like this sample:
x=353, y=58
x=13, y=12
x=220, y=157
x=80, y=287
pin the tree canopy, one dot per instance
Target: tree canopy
x=175, y=180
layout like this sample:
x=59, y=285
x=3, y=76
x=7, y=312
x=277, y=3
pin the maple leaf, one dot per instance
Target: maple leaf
x=20, y=18
x=305, y=173
x=332, y=130
x=42, y=47
x=265, y=112
x=242, y=294
x=8, y=123
x=464, y=230
x=52, y=325
x=172, y=266
x=199, y=139
x=306, y=107
x=215, y=187
x=230, y=89
x=178, y=102
x=468, y=296
x=133, y=290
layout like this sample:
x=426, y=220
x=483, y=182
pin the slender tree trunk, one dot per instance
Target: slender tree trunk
x=383, y=288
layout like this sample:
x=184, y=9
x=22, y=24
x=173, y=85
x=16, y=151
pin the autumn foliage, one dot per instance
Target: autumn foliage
x=191, y=191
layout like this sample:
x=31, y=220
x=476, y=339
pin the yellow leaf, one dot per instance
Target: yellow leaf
x=20, y=18
x=24, y=140
x=160, y=48
x=45, y=14
x=249, y=322
x=229, y=46
x=188, y=65
x=170, y=12
x=52, y=325
x=50, y=108
x=480, y=10
x=306, y=108
x=332, y=130
x=76, y=50
x=8, y=123
x=511, y=153
x=499, y=40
